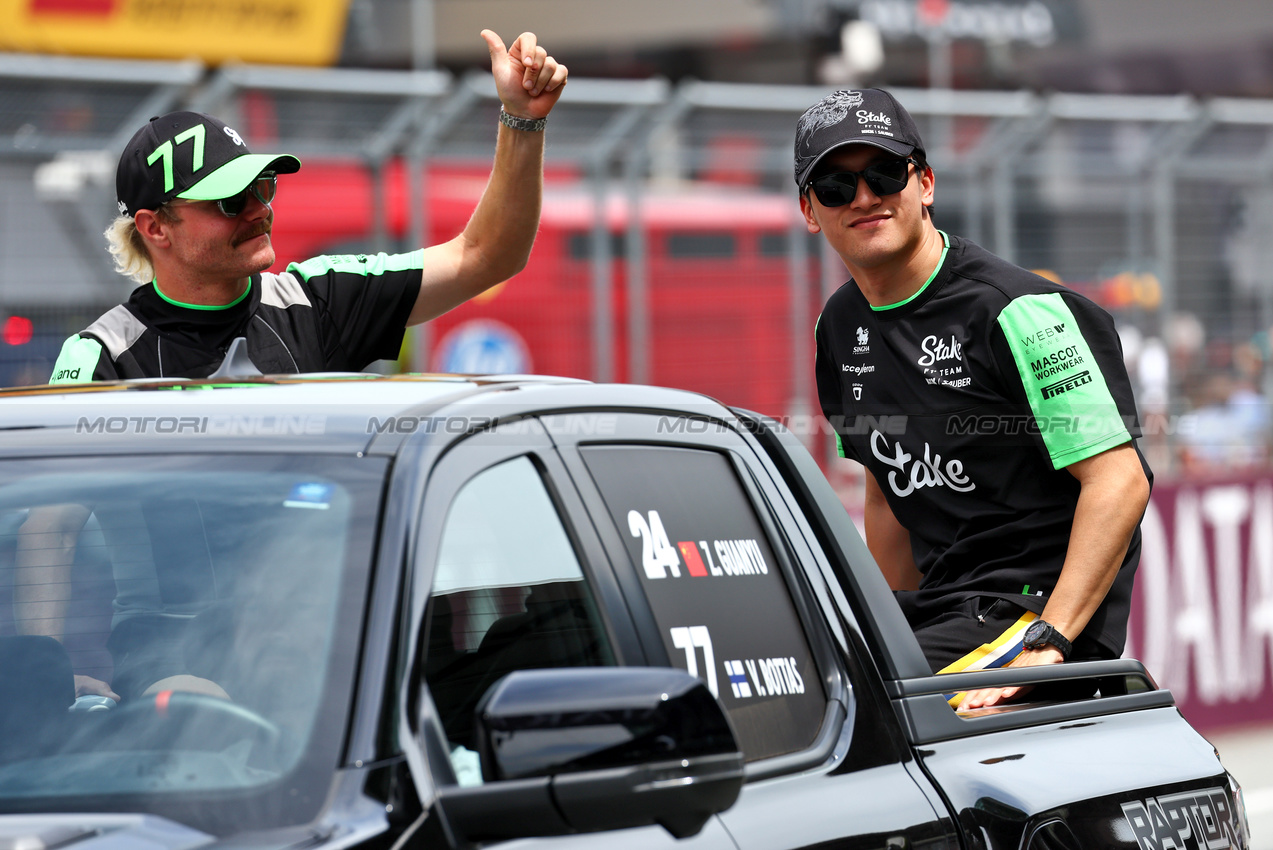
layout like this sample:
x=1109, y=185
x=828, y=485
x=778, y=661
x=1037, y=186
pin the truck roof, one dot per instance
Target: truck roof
x=331, y=413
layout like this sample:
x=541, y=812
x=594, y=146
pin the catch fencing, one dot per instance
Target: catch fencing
x=671, y=248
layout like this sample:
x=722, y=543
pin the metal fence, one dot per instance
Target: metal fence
x=671, y=248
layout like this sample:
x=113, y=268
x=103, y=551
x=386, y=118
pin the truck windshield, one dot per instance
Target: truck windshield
x=178, y=634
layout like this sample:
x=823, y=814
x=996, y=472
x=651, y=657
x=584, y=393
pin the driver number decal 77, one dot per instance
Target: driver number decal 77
x=164, y=152
x=691, y=639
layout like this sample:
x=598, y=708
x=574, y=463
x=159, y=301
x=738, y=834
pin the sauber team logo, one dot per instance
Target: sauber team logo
x=912, y=473
x=942, y=361
x=940, y=349
x=1196, y=820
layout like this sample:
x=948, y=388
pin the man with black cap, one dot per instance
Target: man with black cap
x=194, y=230
x=990, y=407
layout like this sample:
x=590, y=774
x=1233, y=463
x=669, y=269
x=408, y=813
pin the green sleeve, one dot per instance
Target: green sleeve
x=1073, y=405
x=77, y=362
x=359, y=264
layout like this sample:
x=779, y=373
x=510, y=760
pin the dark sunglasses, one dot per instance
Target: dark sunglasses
x=883, y=178
x=263, y=188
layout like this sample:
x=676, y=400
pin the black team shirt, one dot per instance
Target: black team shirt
x=966, y=402
x=331, y=313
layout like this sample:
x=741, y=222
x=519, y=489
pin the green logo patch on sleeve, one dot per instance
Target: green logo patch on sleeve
x=1073, y=408
x=77, y=361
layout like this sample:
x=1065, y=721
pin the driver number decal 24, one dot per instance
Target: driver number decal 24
x=719, y=558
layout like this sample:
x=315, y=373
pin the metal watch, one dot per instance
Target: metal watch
x=1042, y=633
x=530, y=125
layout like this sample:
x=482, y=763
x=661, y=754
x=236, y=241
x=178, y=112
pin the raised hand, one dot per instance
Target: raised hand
x=528, y=80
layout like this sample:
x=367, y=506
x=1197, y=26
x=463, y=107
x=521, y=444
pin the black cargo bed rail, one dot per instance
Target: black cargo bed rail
x=1121, y=685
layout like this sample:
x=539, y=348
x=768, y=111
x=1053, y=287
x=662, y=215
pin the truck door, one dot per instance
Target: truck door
x=722, y=582
x=518, y=580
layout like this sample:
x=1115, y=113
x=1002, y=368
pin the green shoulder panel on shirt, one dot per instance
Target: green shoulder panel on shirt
x=1076, y=414
x=77, y=362
x=363, y=264
x=839, y=442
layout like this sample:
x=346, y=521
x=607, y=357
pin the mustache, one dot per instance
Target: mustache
x=261, y=229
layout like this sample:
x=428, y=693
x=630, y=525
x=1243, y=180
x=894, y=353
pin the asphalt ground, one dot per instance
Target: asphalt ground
x=1247, y=753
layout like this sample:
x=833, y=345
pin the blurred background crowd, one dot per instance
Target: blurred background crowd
x=1123, y=147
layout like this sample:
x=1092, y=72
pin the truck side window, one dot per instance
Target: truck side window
x=715, y=588
x=508, y=594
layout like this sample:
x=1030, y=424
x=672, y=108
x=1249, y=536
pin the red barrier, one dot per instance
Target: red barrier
x=1202, y=613
x=719, y=294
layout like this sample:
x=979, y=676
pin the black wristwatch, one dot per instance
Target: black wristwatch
x=1042, y=633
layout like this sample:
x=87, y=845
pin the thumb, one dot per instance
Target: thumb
x=494, y=44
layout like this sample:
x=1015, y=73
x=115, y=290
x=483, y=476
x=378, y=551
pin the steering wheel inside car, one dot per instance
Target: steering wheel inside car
x=183, y=720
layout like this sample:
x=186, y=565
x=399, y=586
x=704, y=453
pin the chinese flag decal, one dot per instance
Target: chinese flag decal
x=692, y=561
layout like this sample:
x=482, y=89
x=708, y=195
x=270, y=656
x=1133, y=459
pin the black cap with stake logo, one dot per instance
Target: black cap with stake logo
x=865, y=117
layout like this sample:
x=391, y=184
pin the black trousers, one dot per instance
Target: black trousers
x=950, y=637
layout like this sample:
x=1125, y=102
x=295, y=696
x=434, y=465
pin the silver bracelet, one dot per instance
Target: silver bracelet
x=530, y=125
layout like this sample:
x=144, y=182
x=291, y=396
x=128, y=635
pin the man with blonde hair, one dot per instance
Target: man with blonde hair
x=194, y=230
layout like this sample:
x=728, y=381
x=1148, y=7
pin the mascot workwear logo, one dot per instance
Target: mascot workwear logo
x=910, y=473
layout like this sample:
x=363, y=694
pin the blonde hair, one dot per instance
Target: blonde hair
x=128, y=249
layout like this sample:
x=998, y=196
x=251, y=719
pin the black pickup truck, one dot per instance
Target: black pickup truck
x=441, y=612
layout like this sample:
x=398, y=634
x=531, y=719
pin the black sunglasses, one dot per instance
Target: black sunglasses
x=263, y=188
x=883, y=178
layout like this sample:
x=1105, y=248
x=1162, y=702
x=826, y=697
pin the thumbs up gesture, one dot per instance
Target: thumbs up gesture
x=528, y=80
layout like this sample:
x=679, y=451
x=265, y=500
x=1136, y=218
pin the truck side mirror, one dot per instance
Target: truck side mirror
x=588, y=749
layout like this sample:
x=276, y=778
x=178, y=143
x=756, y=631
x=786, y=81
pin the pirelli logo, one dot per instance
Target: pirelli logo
x=1084, y=377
